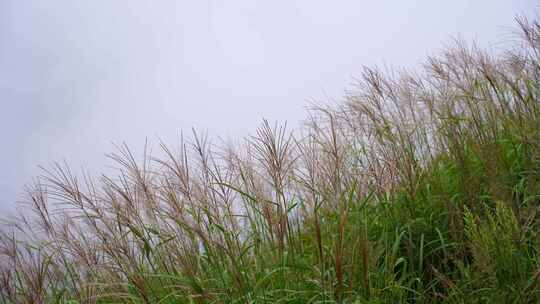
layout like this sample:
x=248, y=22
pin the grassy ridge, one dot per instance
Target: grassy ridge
x=419, y=188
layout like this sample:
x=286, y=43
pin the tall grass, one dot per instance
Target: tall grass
x=419, y=188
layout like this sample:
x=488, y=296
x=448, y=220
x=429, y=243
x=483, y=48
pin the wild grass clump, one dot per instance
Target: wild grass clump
x=419, y=188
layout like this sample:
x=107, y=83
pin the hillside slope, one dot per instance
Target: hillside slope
x=418, y=188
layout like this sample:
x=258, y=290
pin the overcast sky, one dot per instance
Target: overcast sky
x=78, y=75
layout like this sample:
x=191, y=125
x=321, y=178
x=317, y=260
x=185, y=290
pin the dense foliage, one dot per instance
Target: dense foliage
x=419, y=188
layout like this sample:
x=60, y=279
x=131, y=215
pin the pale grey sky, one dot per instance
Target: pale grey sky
x=77, y=75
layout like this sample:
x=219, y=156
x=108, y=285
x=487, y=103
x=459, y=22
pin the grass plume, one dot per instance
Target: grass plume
x=418, y=188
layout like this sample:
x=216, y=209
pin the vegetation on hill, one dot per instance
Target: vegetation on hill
x=419, y=188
